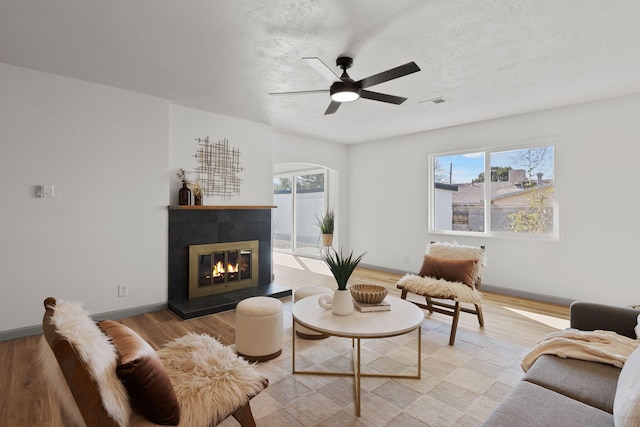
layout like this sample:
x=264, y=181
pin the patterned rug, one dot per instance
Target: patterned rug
x=460, y=385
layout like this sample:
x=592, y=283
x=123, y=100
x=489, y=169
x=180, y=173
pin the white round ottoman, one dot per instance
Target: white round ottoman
x=301, y=293
x=259, y=328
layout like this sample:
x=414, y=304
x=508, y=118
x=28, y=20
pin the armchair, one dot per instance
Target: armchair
x=449, y=272
x=192, y=381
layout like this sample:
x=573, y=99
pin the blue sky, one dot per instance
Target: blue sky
x=465, y=167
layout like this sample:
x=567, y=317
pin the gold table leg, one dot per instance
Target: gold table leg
x=357, y=372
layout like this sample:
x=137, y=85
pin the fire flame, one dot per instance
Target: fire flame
x=219, y=270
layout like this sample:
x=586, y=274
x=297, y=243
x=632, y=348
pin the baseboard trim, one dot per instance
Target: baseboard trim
x=527, y=295
x=27, y=331
x=386, y=270
x=113, y=315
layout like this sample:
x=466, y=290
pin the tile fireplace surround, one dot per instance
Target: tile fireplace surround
x=198, y=225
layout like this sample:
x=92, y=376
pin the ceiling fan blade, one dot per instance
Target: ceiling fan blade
x=300, y=92
x=391, y=74
x=332, y=108
x=383, y=97
x=321, y=68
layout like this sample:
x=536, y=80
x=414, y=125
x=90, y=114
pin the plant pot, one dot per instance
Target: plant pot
x=342, y=304
x=327, y=239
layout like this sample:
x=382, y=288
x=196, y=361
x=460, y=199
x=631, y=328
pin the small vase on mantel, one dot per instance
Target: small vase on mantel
x=184, y=195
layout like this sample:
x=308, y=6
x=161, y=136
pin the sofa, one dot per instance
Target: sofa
x=558, y=391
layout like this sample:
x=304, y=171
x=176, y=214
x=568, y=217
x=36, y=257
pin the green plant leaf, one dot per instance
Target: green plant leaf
x=326, y=222
x=341, y=267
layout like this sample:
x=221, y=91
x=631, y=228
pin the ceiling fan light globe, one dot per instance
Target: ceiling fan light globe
x=344, y=96
x=344, y=92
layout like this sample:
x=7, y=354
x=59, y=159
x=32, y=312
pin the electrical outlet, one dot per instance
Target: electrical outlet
x=123, y=290
x=406, y=259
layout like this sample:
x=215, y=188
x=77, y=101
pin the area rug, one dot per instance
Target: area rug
x=460, y=385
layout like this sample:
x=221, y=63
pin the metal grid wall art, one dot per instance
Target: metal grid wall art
x=218, y=168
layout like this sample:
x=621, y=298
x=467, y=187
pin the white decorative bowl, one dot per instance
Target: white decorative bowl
x=368, y=294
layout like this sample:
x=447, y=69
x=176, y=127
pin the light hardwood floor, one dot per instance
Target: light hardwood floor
x=26, y=402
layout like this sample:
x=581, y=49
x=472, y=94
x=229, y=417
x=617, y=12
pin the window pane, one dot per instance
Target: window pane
x=521, y=189
x=282, y=185
x=310, y=183
x=309, y=206
x=283, y=199
x=459, y=192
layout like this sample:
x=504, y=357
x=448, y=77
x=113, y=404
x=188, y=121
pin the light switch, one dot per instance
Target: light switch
x=48, y=191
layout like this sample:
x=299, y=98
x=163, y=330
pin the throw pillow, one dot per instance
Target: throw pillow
x=452, y=270
x=626, y=403
x=143, y=375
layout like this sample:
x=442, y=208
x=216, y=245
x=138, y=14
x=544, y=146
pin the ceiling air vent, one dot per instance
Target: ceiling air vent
x=434, y=101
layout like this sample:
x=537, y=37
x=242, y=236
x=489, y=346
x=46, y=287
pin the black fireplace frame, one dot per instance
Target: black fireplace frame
x=198, y=225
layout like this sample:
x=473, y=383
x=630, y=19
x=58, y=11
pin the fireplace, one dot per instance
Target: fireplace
x=228, y=226
x=222, y=267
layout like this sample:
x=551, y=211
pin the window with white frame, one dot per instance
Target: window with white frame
x=517, y=199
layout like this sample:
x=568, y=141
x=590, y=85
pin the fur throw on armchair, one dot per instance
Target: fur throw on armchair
x=209, y=379
x=439, y=288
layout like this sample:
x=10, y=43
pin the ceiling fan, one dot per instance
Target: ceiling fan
x=345, y=89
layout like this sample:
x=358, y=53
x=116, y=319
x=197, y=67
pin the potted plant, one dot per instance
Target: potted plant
x=326, y=224
x=341, y=267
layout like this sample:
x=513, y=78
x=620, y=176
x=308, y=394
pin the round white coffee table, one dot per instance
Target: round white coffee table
x=403, y=318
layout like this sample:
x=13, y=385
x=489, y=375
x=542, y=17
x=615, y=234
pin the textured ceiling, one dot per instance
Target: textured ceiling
x=487, y=59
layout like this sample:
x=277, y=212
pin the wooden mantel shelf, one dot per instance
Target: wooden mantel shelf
x=182, y=207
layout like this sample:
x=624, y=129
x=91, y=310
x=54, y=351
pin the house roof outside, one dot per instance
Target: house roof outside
x=449, y=187
x=473, y=193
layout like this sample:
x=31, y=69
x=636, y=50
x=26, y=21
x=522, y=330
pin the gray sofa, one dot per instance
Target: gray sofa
x=569, y=392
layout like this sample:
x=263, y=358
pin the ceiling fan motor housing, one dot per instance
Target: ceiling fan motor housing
x=346, y=90
x=344, y=62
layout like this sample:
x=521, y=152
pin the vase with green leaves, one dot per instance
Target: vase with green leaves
x=326, y=224
x=341, y=267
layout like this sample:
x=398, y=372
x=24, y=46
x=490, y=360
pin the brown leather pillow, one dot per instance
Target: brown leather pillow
x=140, y=370
x=452, y=270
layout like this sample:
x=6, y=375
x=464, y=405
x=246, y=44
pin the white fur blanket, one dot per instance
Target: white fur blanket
x=210, y=380
x=439, y=288
x=596, y=346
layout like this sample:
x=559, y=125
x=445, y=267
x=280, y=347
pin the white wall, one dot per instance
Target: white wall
x=596, y=170
x=251, y=138
x=106, y=152
x=288, y=149
x=112, y=156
